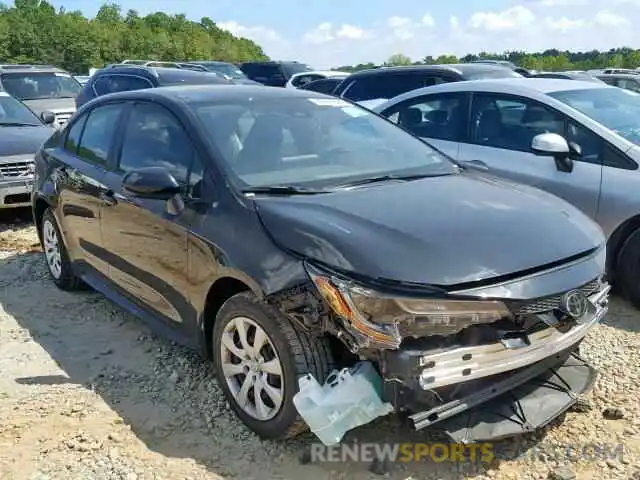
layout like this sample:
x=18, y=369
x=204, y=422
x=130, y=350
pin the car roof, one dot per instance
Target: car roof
x=635, y=76
x=516, y=86
x=222, y=92
x=163, y=74
x=7, y=68
x=460, y=68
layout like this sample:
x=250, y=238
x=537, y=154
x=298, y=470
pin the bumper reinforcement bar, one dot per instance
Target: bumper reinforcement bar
x=470, y=363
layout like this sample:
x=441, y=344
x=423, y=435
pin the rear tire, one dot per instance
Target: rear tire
x=628, y=269
x=286, y=353
x=56, y=255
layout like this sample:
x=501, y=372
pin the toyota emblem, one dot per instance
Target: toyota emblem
x=574, y=304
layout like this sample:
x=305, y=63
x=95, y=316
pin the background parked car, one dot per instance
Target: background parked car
x=298, y=80
x=622, y=80
x=324, y=85
x=43, y=88
x=273, y=73
x=578, y=140
x=227, y=70
x=387, y=82
x=585, y=77
x=22, y=132
x=135, y=77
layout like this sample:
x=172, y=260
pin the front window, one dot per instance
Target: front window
x=14, y=113
x=615, y=108
x=34, y=86
x=316, y=143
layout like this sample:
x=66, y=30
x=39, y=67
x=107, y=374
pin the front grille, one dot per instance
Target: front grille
x=547, y=304
x=16, y=169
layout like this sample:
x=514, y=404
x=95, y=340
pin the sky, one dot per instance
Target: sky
x=326, y=33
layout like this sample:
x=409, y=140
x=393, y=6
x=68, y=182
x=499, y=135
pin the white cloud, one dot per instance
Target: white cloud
x=511, y=18
x=532, y=25
x=610, y=19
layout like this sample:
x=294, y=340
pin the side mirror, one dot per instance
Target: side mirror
x=48, y=118
x=151, y=182
x=556, y=146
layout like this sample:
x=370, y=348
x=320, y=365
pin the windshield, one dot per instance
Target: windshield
x=615, y=108
x=313, y=143
x=491, y=73
x=14, y=112
x=33, y=86
x=226, y=69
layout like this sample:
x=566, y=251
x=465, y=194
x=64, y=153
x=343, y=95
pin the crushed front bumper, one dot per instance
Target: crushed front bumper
x=494, y=390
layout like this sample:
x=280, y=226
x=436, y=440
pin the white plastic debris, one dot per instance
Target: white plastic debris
x=348, y=399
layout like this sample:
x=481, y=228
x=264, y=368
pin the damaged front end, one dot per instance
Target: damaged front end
x=484, y=362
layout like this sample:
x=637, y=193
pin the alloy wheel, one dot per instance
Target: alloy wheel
x=252, y=368
x=51, y=245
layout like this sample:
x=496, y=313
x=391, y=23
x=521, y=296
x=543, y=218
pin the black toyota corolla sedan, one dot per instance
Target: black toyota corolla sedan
x=283, y=233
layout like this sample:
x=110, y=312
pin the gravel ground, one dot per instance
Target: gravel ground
x=89, y=392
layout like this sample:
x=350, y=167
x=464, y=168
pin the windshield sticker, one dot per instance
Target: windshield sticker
x=354, y=111
x=329, y=102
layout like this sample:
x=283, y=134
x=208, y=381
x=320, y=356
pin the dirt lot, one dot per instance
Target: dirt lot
x=88, y=392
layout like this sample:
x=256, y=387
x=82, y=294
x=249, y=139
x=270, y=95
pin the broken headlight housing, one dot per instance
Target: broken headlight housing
x=382, y=321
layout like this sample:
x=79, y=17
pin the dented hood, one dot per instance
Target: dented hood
x=441, y=230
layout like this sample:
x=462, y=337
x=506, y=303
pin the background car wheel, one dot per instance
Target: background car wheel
x=628, y=269
x=56, y=255
x=258, y=357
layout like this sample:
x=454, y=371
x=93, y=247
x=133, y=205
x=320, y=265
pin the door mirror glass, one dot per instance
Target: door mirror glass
x=549, y=144
x=48, y=118
x=151, y=182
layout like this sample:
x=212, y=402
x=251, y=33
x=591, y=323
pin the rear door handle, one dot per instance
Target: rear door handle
x=477, y=164
x=108, y=197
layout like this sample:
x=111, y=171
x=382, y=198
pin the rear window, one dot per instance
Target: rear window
x=292, y=68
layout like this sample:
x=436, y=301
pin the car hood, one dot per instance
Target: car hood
x=22, y=140
x=441, y=231
x=54, y=105
x=245, y=81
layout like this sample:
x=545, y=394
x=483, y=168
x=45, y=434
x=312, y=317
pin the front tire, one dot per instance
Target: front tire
x=55, y=253
x=258, y=357
x=628, y=269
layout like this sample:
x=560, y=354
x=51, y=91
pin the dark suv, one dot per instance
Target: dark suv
x=388, y=82
x=272, y=73
x=285, y=232
x=135, y=77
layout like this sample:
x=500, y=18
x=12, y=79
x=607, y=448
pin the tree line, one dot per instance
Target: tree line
x=549, y=60
x=33, y=31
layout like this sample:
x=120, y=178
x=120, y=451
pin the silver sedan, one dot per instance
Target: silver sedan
x=578, y=140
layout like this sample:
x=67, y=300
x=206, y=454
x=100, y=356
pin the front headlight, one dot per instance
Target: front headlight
x=383, y=321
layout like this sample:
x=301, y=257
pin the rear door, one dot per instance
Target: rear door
x=146, y=239
x=501, y=129
x=79, y=179
x=440, y=119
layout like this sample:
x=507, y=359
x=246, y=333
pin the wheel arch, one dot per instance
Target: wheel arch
x=219, y=292
x=617, y=241
x=39, y=207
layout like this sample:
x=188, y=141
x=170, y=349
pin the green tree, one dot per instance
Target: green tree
x=32, y=31
x=399, y=59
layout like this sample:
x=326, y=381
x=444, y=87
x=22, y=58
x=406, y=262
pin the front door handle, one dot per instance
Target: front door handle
x=108, y=198
x=477, y=164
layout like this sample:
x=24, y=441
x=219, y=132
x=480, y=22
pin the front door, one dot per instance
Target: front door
x=500, y=135
x=439, y=119
x=146, y=239
x=78, y=179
